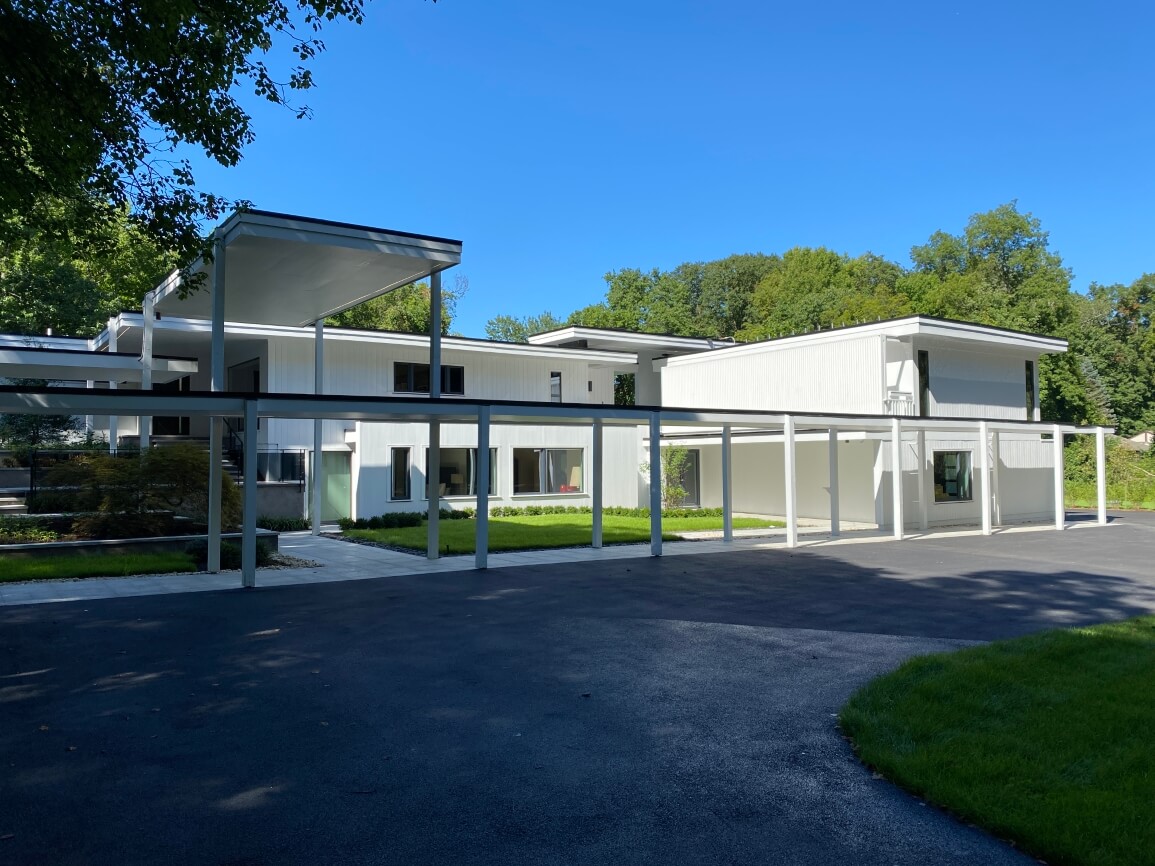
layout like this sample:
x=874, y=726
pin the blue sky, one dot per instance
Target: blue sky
x=560, y=141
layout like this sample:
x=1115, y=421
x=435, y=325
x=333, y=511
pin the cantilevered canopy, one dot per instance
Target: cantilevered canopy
x=63, y=365
x=290, y=270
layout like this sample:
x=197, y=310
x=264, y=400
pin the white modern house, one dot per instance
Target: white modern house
x=810, y=426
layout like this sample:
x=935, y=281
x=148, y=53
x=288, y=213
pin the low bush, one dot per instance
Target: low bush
x=283, y=524
x=24, y=530
x=230, y=554
x=388, y=520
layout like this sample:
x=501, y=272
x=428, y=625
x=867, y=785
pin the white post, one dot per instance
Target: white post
x=145, y=421
x=216, y=424
x=597, y=471
x=923, y=495
x=655, y=484
x=435, y=334
x=896, y=476
x=318, y=424
x=983, y=476
x=1101, y=473
x=113, y=420
x=996, y=496
x=433, y=486
x=1060, y=504
x=88, y=420
x=791, y=482
x=727, y=484
x=249, y=502
x=481, y=490
x=832, y=476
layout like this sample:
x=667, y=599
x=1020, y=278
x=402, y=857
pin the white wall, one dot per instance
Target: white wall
x=985, y=383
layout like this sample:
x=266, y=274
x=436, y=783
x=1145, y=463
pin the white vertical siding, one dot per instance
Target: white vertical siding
x=977, y=384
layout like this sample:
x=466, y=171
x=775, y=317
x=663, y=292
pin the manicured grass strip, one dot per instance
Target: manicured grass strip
x=1045, y=740
x=93, y=565
x=545, y=530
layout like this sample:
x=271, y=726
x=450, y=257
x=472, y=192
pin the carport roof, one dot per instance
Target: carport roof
x=75, y=365
x=281, y=269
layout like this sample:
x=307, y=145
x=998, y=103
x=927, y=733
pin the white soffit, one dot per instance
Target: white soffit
x=72, y=366
x=624, y=341
x=289, y=270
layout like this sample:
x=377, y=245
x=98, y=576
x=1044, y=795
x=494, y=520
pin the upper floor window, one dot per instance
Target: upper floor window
x=923, y=384
x=1030, y=390
x=555, y=387
x=410, y=378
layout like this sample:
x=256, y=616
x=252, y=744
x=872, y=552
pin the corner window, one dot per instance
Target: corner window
x=547, y=470
x=555, y=387
x=399, y=482
x=409, y=378
x=952, y=476
x=459, y=471
x=923, y=384
x=1030, y=390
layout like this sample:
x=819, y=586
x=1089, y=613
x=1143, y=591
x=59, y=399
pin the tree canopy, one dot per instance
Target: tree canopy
x=405, y=309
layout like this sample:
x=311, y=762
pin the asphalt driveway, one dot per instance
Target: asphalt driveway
x=678, y=710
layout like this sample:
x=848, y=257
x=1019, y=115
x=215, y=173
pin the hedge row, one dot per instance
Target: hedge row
x=392, y=520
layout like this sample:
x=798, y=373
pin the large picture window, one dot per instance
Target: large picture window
x=400, y=485
x=547, y=470
x=459, y=471
x=952, y=476
x=409, y=378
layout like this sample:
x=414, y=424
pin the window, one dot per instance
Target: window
x=1030, y=390
x=459, y=471
x=400, y=489
x=547, y=470
x=555, y=387
x=923, y=384
x=414, y=378
x=952, y=476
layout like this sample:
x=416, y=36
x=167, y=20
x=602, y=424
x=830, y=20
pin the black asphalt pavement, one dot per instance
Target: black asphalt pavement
x=679, y=710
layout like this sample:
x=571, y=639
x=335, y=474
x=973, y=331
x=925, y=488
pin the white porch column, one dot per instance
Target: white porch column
x=216, y=424
x=481, y=490
x=88, y=422
x=896, y=476
x=983, y=476
x=923, y=494
x=727, y=484
x=1060, y=503
x=249, y=502
x=655, y=484
x=318, y=424
x=113, y=420
x=145, y=421
x=597, y=471
x=996, y=496
x=1101, y=474
x=435, y=335
x=832, y=480
x=791, y=481
x=433, y=488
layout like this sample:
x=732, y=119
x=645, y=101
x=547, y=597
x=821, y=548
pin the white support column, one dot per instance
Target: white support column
x=216, y=425
x=896, y=477
x=433, y=488
x=1101, y=474
x=113, y=420
x=727, y=484
x=597, y=482
x=923, y=493
x=481, y=486
x=832, y=478
x=791, y=482
x=435, y=335
x=249, y=501
x=983, y=476
x=318, y=484
x=88, y=420
x=655, y=484
x=996, y=477
x=144, y=421
x=1060, y=503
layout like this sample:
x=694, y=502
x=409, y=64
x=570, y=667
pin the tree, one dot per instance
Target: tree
x=405, y=309
x=98, y=96
x=511, y=329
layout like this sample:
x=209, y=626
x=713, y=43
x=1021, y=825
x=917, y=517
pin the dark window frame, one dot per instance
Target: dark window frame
x=412, y=377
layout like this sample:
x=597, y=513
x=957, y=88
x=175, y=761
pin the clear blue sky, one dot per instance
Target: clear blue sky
x=563, y=140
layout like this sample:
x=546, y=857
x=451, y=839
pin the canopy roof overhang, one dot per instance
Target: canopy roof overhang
x=69, y=365
x=281, y=269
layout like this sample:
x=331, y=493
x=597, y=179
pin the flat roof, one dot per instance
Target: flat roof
x=283, y=269
x=613, y=339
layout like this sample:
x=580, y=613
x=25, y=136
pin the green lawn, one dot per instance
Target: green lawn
x=1045, y=740
x=93, y=565
x=547, y=530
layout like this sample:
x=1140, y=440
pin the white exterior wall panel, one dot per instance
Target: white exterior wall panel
x=987, y=384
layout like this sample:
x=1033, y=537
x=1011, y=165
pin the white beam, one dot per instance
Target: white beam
x=1060, y=503
x=435, y=335
x=249, y=502
x=318, y=484
x=655, y=484
x=597, y=481
x=996, y=477
x=791, y=481
x=144, y=421
x=832, y=481
x=896, y=476
x=481, y=488
x=727, y=484
x=1101, y=474
x=433, y=490
x=923, y=492
x=216, y=423
x=113, y=420
x=983, y=476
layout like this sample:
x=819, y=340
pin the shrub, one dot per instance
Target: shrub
x=230, y=554
x=23, y=530
x=284, y=524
